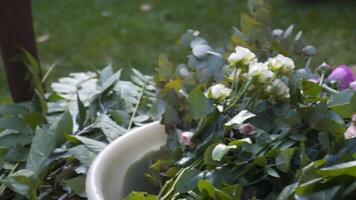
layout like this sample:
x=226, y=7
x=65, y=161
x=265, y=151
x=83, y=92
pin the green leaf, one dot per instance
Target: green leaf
x=248, y=23
x=141, y=196
x=93, y=145
x=83, y=154
x=327, y=194
x=283, y=159
x=3, y=151
x=63, y=126
x=77, y=184
x=19, y=153
x=45, y=140
x=10, y=139
x=287, y=191
x=110, y=129
x=310, y=89
x=206, y=187
x=82, y=113
x=15, y=123
x=110, y=82
x=324, y=120
x=165, y=68
x=198, y=103
x=14, y=109
x=220, y=150
x=42, y=146
x=240, y=118
x=270, y=171
x=24, y=182
x=342, y=102
x=308, y=187
x=187, y=181
x=348, y=168
x=105, y=74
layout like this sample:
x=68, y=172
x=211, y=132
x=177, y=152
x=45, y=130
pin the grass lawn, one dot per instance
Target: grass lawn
x=88, y=34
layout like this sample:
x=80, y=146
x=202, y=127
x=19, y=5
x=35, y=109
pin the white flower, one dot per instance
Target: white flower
x=242, y=56
x=278, y=89
x=218, y=91
x=259, y=72
x=281, y=64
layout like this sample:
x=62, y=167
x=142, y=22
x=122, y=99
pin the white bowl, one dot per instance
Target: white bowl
x=105, y=179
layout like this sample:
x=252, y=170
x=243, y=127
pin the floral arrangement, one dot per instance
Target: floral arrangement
x=254, y=120
x=254, y=129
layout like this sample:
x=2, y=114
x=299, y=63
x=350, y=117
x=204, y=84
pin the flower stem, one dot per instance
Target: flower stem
x=237, y=99
x=179, y=175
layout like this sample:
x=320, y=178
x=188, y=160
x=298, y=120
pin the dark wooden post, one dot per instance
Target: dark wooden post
x=16, y=32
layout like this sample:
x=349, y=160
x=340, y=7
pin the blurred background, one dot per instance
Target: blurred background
x=80, y=35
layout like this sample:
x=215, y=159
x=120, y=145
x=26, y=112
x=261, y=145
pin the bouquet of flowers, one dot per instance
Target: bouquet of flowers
x=245, y=128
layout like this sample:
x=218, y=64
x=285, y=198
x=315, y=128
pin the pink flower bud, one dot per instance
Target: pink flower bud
x=350, y=132
x=247, y=129
x=343, y=75
x=187, y=139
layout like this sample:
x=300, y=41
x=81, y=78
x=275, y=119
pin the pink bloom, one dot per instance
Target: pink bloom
x=247, y=129
x=353, y=85
x=350, y=132
x=187, y=139
x=343, y=75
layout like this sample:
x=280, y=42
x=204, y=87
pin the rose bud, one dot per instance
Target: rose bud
x=324, y=68
x=247, y=129
x=218, y=92
x=187, y=139
x=343, y=75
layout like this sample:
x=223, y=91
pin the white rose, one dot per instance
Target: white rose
x=278, y=88
x=259, y=72
x=242, y=56
x=218, y=91
x=281, y=64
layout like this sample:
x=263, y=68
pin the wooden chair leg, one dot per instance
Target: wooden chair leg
x=16, y=32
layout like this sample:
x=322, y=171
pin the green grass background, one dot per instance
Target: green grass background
x=88, y=34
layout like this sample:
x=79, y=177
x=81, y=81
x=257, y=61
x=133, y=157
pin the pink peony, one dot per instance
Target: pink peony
x=343, y=75
x=247, y=129
x=187, y=139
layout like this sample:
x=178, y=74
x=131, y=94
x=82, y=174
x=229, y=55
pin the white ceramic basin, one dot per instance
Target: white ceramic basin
x=105, y=179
